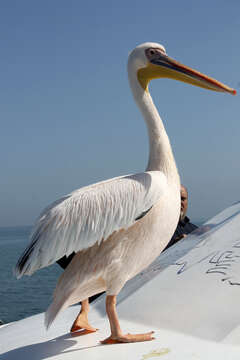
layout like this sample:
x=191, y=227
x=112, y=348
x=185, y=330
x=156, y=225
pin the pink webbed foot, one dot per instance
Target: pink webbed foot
x=128, y=338
x=82, y=326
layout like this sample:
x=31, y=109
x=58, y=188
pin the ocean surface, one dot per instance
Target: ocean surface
x=30, y=294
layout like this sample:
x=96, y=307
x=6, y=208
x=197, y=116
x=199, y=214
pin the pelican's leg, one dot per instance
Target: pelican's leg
x=81, y=321
x=116, y=333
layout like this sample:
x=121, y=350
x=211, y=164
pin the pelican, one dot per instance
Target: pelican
x=119, y=226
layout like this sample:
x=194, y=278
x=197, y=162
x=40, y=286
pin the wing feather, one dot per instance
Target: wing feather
x=88, y=216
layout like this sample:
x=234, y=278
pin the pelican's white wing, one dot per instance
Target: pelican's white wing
x=89, y=215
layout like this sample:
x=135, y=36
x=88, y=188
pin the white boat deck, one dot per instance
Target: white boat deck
x=189, y=296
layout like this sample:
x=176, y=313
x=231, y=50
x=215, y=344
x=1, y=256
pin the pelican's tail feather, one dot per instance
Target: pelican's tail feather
x=52, y=312
x=63, y=299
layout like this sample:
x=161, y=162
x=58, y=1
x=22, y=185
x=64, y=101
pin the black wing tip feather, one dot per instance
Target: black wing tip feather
x=21, y=267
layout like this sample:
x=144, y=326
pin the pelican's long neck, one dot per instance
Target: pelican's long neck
x=160, y=152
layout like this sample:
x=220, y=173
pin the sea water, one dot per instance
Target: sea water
x=30, y=294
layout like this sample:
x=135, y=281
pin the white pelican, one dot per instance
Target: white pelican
x=119, y=226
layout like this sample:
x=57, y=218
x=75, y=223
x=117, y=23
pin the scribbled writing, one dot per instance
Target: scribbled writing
x=217, y=262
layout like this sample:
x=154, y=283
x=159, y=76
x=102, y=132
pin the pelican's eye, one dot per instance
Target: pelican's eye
x=153, y=53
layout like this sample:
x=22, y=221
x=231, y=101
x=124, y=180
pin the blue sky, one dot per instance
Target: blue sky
x=68, y=117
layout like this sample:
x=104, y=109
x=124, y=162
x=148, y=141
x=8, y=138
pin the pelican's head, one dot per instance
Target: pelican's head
x=151, y=62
